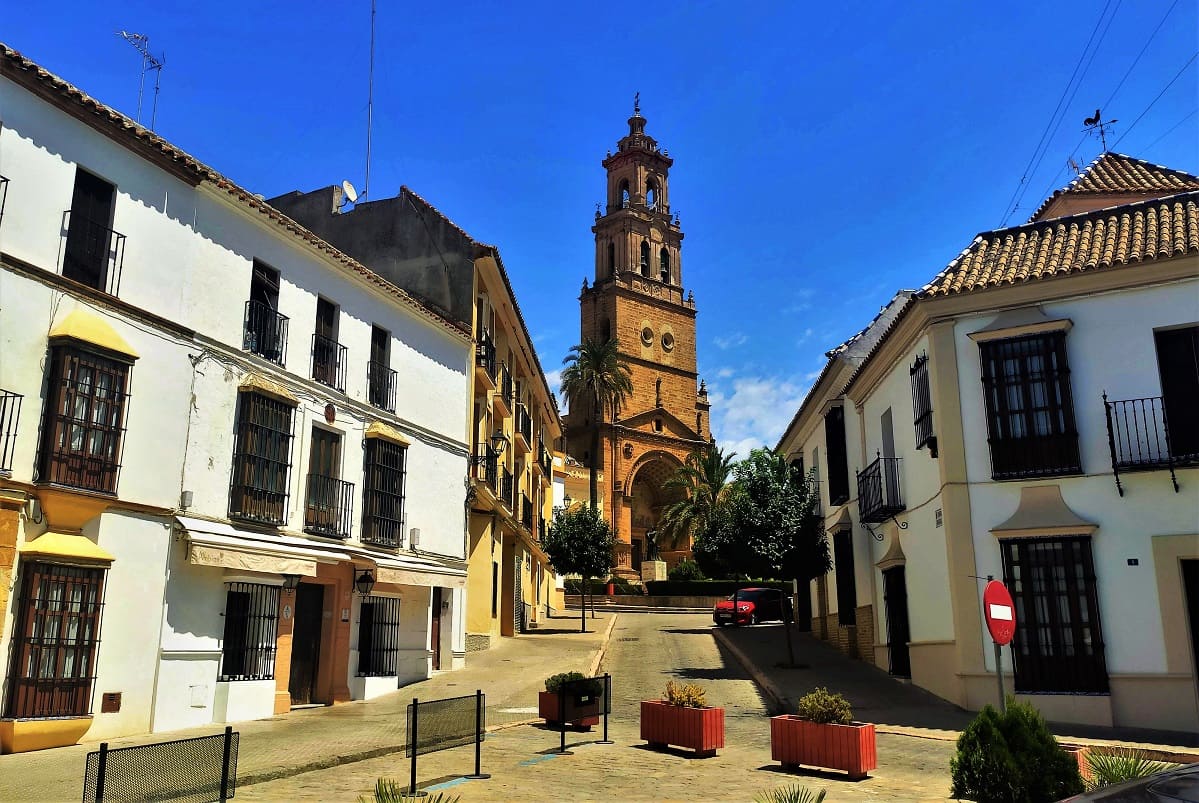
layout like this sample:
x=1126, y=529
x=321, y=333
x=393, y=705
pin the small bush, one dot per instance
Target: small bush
x=1012, y=758
x=686, y=571
x=554, y=682
x=825, y=707
x=790, y=794
x=1120, y=765
x=623, y=586
x=686, y=695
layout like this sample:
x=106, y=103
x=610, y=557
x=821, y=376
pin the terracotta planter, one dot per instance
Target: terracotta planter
x=795, y=741
x=1079, y=753
x=698, y=729
x=548, y=708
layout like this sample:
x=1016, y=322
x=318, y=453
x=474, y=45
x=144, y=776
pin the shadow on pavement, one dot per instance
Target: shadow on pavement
x=810, y=772
x=669, y=751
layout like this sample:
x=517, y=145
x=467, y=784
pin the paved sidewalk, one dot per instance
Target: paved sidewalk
x=510, y=674
x=895, y=706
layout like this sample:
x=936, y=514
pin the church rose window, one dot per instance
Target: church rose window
x=668, y=341
x=647, y=336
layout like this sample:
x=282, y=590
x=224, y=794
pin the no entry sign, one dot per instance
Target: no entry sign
x=1000, y=612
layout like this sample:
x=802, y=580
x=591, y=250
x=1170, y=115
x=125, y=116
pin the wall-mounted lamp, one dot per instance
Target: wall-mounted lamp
x=290, y=581
x=495, y=448
x=365, y=582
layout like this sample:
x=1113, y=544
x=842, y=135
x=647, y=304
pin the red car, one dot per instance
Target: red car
x=753, y=605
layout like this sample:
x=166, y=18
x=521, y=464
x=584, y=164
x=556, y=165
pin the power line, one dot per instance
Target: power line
x=1170, y=131
x=1177, y=75
x=1137, y=60
x=1012, y=202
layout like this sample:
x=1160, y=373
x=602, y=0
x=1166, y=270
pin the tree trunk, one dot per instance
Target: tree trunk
x=593, y=478
x=583, y=604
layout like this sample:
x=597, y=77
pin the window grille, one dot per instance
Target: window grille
x=1030, y=413
x=53, y=655
x=1058, y=645
x=261, y=459
x=378, y=636
x=251, y=623
x=922, y=406
x=85, y=420
x=384, y=475
x=834, y=454
x=847, y=588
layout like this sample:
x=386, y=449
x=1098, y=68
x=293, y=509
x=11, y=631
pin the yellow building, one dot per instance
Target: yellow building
x=515, y=427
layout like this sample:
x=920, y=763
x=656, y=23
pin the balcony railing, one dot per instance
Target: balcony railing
x=329, y=362
x=526, y=512
x=10, y=417
x=508, y=489
x=1139, y=437
x=814, y=490
x=265, y=332
x=524, y=424
x=1035, y=456
x=486, y=468
x=485, y=355
x=503, y=384
x=541, y=529
x=94, y=254
x=544, y=461
x=329, y=508
x=381, y=386
x=879, y=493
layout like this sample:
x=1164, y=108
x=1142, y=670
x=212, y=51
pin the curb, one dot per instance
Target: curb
x=778, y=700
x=599, y=656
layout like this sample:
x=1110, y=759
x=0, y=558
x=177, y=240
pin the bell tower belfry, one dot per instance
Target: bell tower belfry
x=637, y=296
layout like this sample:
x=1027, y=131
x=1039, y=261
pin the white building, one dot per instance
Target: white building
x=1039, y=372
x=231, y=457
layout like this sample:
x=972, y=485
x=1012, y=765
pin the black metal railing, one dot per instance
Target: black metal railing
x=814, y=490
x=202, y=769
x=541, y=529
x=485, y=354
x=329, y=362
x=265, y=332
x=1139, y=438
x=330, y=506
x=1035, y=456
x=504, y=384
x=879, y=493
x=249, y=633
x=544, y=459
x=508, y=489
x=526, y=512
x=381, y=386
x=524, y=424
x=486, y=467
x=10, y=418
x=922, y=405
x=94, y=254
x=378, y=636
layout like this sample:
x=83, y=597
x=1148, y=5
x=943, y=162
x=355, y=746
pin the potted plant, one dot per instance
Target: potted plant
x=584, y=708
x=823, y=734
x=683, y=719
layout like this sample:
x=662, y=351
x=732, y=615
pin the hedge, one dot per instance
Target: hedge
x=708, y=588
x=599, y=586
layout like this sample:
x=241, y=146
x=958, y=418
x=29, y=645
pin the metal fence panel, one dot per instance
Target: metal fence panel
x=183, y=770
x=589, y=697
x=442, y=724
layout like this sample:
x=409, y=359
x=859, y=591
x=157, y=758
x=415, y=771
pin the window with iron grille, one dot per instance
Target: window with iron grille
x=84, y=420
x=378, y=636
x=52, y=668
x=384, y=473
x=261, y=459
x=251, y=622
x=1030, y=412
x=1058, y=645
x=847, y=584
x=922, y=406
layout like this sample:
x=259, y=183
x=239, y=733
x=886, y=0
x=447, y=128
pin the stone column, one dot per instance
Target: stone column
x=287, y=622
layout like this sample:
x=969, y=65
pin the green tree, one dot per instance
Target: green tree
x=580, y=542
x=703, y=480
x=596, y=379
x=767, y=525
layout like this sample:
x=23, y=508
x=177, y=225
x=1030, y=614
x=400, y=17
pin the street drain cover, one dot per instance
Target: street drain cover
x=629, y=638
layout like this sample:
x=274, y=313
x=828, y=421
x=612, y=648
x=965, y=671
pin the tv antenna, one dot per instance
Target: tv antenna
x=1073, y=165
x=1096, y=124
x=370, y=104
x=141, y=43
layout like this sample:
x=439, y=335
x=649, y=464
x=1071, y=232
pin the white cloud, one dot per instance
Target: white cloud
x=724, y=373
x=554, y=378
x=753, y=410
x=731, y=340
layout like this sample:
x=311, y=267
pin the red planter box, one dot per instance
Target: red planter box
x=795, y=741
x=698, y=729
x=549, y=710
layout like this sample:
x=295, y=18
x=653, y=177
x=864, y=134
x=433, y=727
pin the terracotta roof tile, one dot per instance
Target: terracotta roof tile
x=1157, y=228
x=1115, y=173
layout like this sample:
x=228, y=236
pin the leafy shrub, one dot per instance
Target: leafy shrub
x=554, y=682
x=686, y=695
x=1012, y=758
x=686, y=571
x=389, y=791
x=825, y=707
x=1120, y=765
x=624, y=586
x=790, y=794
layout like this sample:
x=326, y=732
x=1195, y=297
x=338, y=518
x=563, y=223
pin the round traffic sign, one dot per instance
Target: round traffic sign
x=1000, y=612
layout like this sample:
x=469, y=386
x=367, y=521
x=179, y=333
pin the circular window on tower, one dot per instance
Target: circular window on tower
x=647, y=336
x=668, y=341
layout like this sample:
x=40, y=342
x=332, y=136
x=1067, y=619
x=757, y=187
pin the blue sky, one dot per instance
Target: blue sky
x=826, y=154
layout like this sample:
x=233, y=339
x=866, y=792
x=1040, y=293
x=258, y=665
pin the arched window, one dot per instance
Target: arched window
x=644, y=258
x=611, y=258
x=651, y=194
x=624, y=194
x=605, y=330
x=664, y=257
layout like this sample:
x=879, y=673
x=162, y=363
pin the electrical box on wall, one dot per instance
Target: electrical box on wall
x=110, y=702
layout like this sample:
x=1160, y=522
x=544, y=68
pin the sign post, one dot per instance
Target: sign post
x=1000, y=613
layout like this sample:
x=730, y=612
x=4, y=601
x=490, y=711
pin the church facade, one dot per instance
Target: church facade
x=637, y=296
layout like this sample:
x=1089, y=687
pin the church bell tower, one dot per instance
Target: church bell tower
x=637, y=296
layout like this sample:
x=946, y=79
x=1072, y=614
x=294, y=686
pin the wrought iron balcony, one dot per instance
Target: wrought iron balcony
x=879, y=493
x=94, y=254
x=10, y=417
x=814, y=490
x=381, y=386
x=265, y=332
x=329, y=362
x=1035, y=456
x=508, y=489
x=485, y=355
x=1139, y=438
x=503, y=393
x=541, y=529
x=485, y=467
x=329, y=506
x=524, y=428
x=526, y=512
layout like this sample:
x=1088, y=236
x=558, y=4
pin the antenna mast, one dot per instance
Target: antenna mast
x=141, y=43
x=370, y=103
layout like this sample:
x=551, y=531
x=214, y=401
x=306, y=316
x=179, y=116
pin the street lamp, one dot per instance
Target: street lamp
x=290, y=581
x=495, y=447
x=365, y=582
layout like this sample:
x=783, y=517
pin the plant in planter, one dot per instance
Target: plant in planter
x=683, y=719
x=584, y=709
x=822, y=734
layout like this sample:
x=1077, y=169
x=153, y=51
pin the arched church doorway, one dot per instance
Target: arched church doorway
x=650, y=497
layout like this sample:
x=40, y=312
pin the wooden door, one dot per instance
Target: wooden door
x=306, y=643
x=85, y=258
x=1190, y=583
x=1178, y=364
x=324, y=467
x=895, y=597
x=435, y=628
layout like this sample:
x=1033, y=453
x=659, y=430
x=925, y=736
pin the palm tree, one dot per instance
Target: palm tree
x=596, y=377
x=704, y=481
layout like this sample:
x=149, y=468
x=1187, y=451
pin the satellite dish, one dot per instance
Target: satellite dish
x=350, y=192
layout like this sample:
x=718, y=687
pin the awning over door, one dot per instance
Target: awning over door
x=65, y=547
x=211, y=543
x=414, y=571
